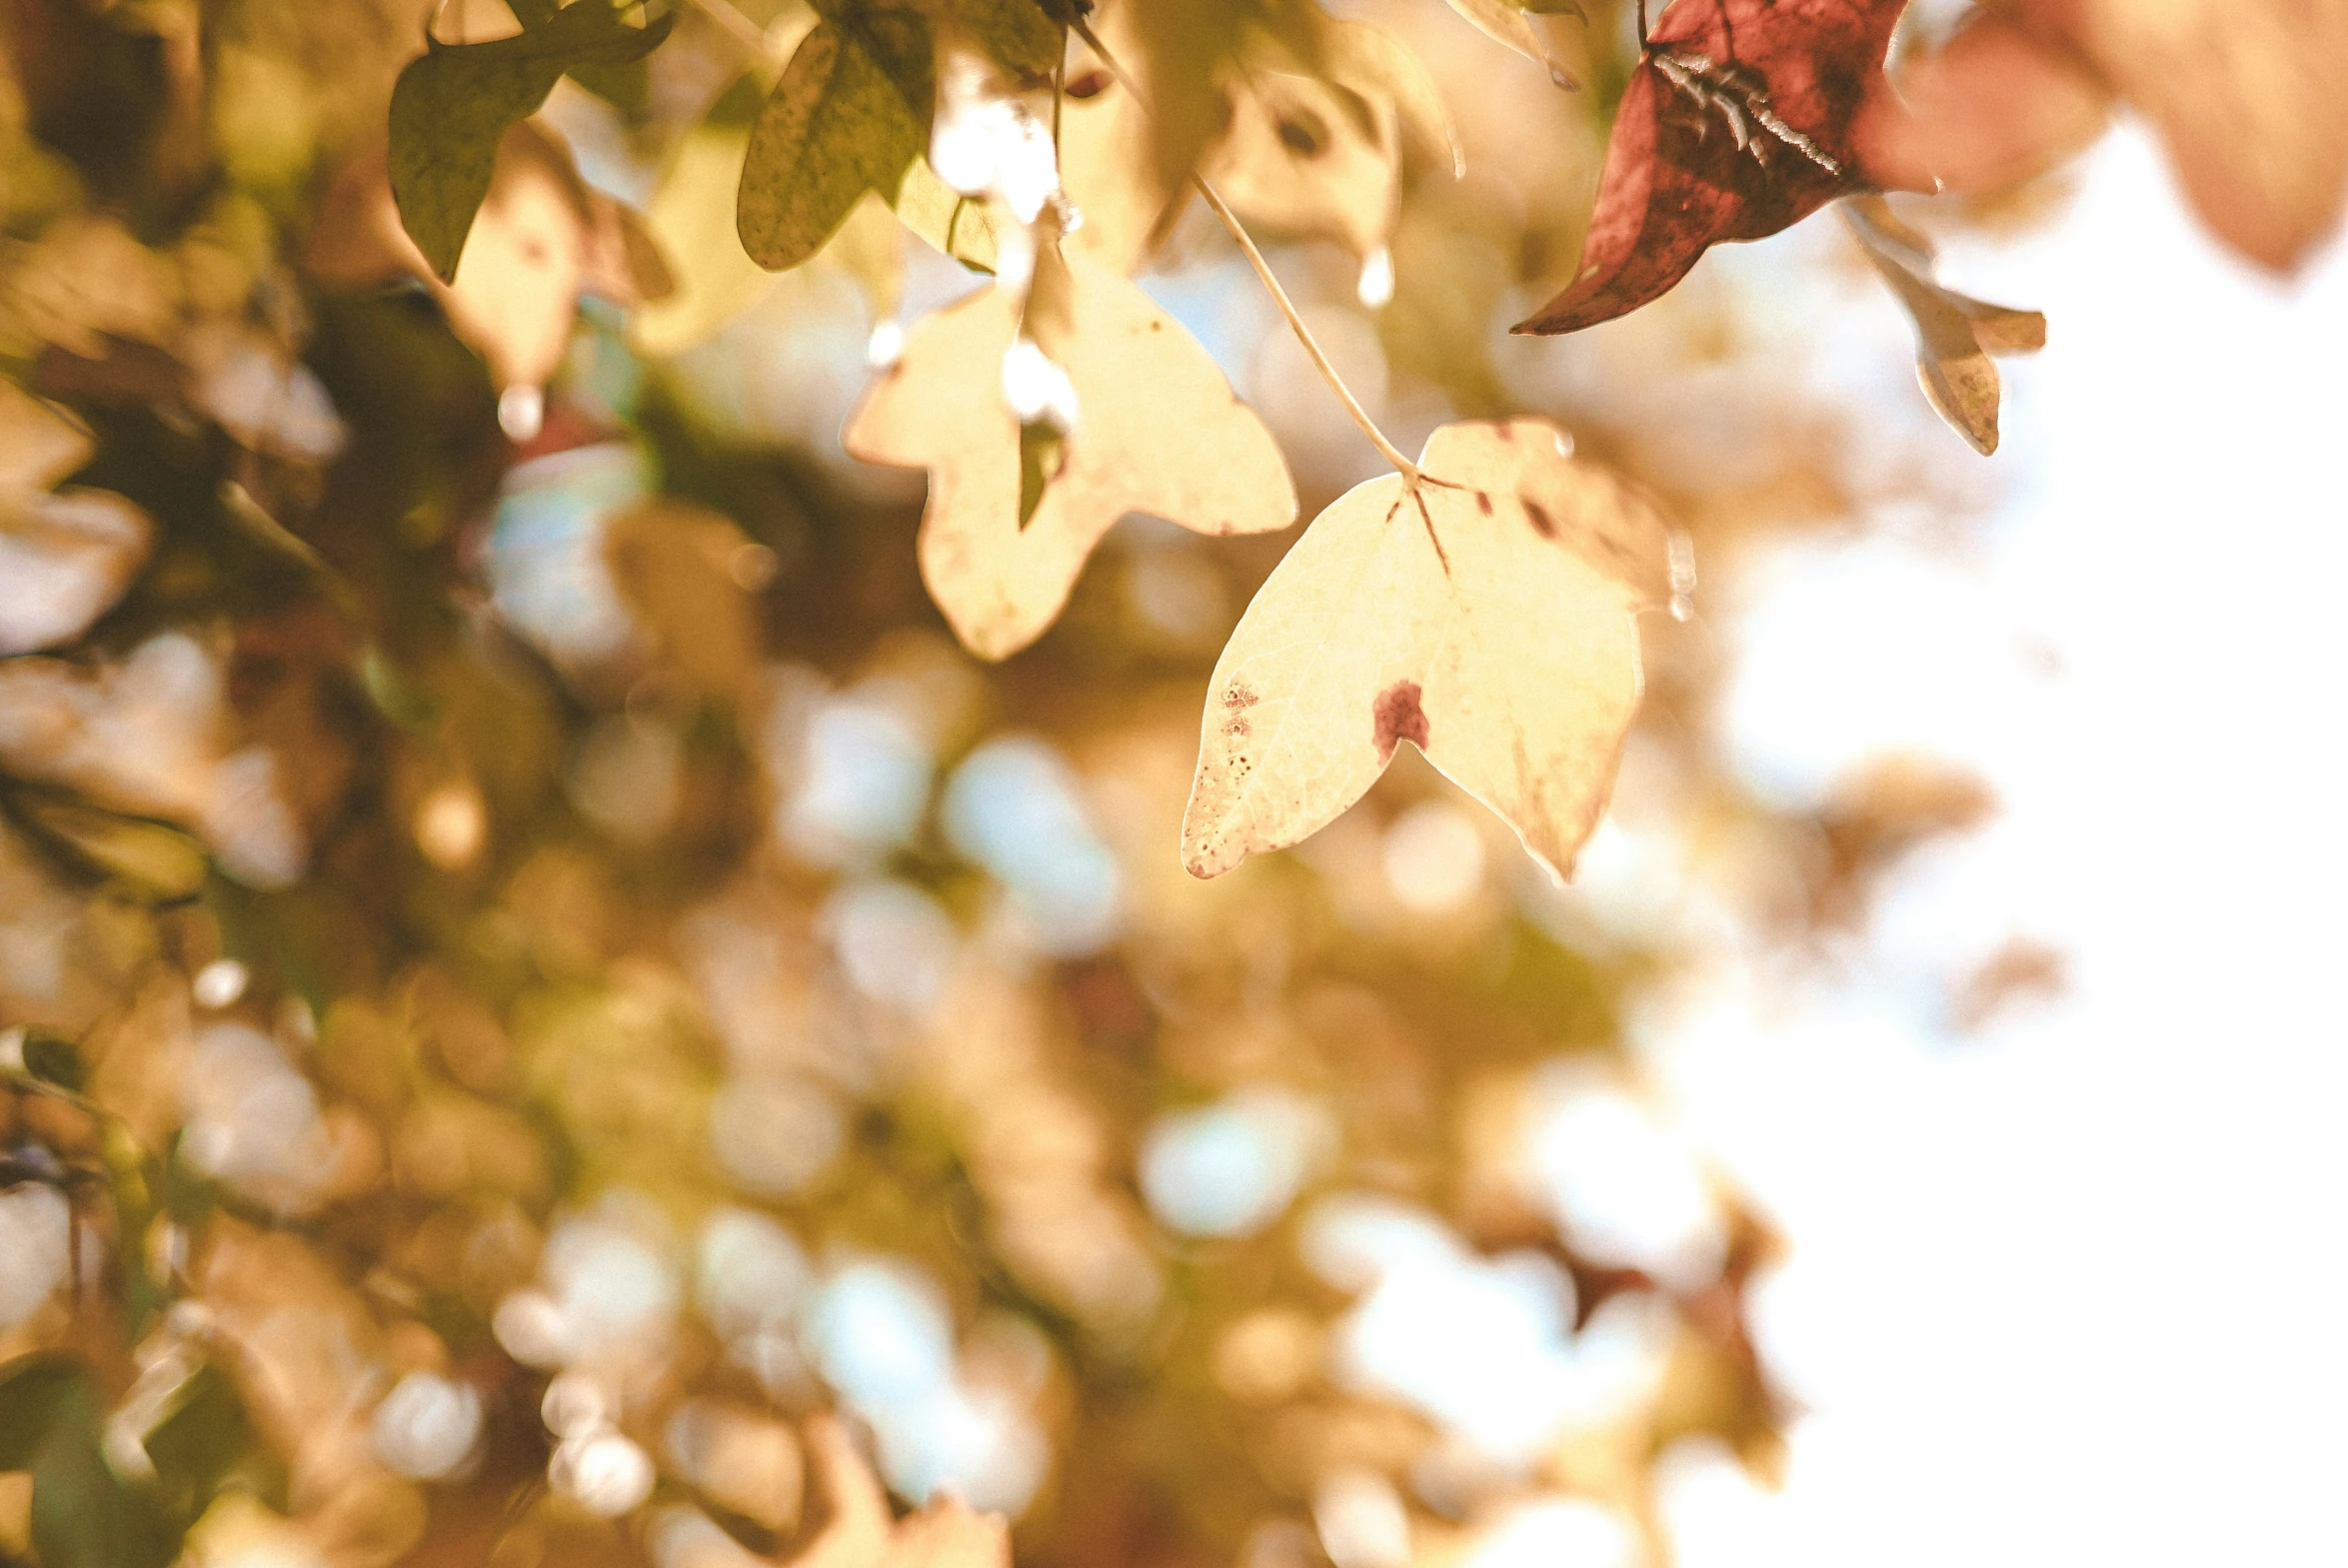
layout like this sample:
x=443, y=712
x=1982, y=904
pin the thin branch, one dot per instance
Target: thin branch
x=1280, y=296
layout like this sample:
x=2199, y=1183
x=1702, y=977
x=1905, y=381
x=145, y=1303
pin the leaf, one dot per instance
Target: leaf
x=65, y=557
x=452, y=105
x=50, y=1060
x=1317, y=135
x=1489, y=618
x=1990, y=108
x=1506, y=22
x=52, y=1423
x=1955, y=335
x=1158, y=429
x=1113, y=164
x=1016, y=34
x=953, y=224
x=155, y=859
x=1736, y=122
x=2246, y=96
x=543, y=237
x=850, y=115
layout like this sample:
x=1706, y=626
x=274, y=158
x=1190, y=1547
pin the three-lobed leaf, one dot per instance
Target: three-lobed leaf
x=1158, y=429
x=1739, y=121
x=453, y=104
x=1486, y=616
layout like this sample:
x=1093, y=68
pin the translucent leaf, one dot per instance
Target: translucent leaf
x=1487, y=618
x=1156, y=429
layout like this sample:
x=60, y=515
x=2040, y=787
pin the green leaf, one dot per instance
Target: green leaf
x=206, y=1438
x=55, y=1060
x=454, y=103
x=1016, y=34
x=35, y=1392
x=850, y=115
x=52, y=1422
x=155, y=859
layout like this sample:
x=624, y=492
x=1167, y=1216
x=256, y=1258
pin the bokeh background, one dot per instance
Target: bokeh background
x=533, y=965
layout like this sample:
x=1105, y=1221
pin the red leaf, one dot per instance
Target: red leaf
x=1737, y=123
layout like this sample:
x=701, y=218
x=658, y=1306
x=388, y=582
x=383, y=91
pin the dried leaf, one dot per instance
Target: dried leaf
x=1955, y=335
x=452, y=105
x=1737, y=122
x=1158, y=429
x=1487, y=618
x=850, y=115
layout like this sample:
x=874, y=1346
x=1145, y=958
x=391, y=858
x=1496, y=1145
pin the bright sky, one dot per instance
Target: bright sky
x=2068, y=1293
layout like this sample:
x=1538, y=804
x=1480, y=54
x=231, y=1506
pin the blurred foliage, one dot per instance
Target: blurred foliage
x=531, y=968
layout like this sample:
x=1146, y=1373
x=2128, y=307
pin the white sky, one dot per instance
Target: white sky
x=2069, y=1293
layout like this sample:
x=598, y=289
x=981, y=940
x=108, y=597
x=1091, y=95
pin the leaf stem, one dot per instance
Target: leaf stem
x=1280, y=296
x=1321, y=361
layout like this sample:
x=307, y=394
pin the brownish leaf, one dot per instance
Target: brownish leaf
x=1156, y=429
x=1955, y=333
x=1738, y=122
x=1991, y=107
x=2248, y=98
x=1486, y=616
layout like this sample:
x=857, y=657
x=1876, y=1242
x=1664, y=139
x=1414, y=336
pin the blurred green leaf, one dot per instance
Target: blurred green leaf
x=155, y=859
x=55, y=1060
x=453, y=103
x=52, y=1422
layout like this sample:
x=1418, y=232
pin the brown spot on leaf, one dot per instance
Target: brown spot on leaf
x=1483, y=503
x=1397, y=716
x=1238, y=696
x=1543, y=523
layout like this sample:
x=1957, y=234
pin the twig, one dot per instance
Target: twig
x=1280, y=296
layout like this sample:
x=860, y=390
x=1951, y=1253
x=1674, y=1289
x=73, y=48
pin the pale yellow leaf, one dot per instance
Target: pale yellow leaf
x=1955, y=333
x=1112, y=162
x=692, y=216
x=1486, y=616
x=1158, y=430
x=1318, y=128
